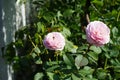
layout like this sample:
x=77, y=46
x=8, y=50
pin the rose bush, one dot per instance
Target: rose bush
x=97, y=33
x=79, y=58
x=54, y=41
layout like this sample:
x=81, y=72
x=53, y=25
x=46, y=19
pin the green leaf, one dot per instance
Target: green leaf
x=86, y=71
x=80, y=60
x=83, y=36
x=34, y=55
x=68, y=59
x=74, y=77
x=117, y=76
x=19, y=43
x=107, y=55
x=115, y=32
x=52, y=68
x=37, y=50
x=40, y=27
x=50, y=75
x=38, y=60
x=114, y=12
x=114, y=53
x=66, y=32
x=96, y=49
x=117, y=69
x=68, y=78
x=92, y=61
x=68, y=12
x=97, y=2
x=101, y=74
x=53, y=76
x=48, y=16
x=37, y=40
x=93, y=55
x=89, y=79
x=38, y=76
x=70, y=47
x=105, y=48
x=59, y=14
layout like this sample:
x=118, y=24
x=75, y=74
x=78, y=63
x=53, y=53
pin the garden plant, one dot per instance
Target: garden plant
x=68, y=40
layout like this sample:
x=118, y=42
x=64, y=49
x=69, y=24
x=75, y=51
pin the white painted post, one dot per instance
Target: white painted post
x=7, y=29
x=12, y=17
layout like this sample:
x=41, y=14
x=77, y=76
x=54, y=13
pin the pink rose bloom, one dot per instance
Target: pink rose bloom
x=97, y=33
x=54, y=41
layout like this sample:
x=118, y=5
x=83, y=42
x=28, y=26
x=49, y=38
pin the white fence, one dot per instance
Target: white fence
x=12, y=17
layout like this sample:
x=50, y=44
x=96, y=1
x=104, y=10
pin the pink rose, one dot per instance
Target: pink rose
x=97, y=33
x=54, y=41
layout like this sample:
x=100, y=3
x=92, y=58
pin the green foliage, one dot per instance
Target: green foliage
x=38, y=76
x=79, y=60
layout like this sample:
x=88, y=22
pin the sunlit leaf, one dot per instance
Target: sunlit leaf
x=74, y=77
x=40, y=27
x=95, y=49
x=97, y=2
x=34, y=55
x=53, y=76
x=52, y=68
x=37, y=50
x=80, y=60
x=86, y=71
x=50, y=75
x=38, y=76
x=70, y=47
x=66, y=32
x=93, y=55
x=38, y=61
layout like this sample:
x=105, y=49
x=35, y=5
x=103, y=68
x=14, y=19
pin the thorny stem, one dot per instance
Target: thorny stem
x=88, y=48
x=118, y=16
x=105, y=63
x=56, y=55
x=85, y=17
x=31, y=41
x=87, y=12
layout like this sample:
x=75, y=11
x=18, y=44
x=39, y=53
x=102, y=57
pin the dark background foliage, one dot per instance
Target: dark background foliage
x=79, y=60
